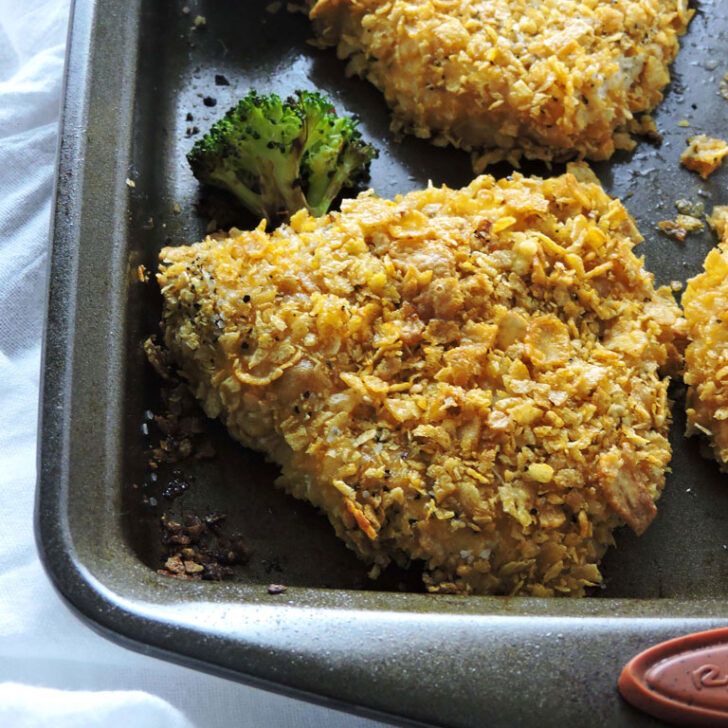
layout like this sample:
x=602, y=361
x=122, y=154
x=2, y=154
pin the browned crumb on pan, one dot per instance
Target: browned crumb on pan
x=507, y=79
x=706, y=358
x=179, y=428
x=472, y=378
x=198, y=550
x=704, y=154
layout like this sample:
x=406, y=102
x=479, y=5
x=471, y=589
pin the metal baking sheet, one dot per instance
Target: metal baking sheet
x=137, y=71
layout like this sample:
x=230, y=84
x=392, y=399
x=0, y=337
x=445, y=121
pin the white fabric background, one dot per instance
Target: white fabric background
x=42, y=644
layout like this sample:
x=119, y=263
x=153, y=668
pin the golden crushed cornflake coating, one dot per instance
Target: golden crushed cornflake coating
x=466, y=377
x=706, y=358
x=704, y=154
x=552, y=80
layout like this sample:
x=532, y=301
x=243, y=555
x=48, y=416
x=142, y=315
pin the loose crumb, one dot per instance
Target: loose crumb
x=688, y=207
x=130, y=182
x=178, y=431
x=200, y=22
x=142, y=274
x=198, y=550
x=277, y=589
x=683, y=122
x=681, y=226
x=704, y=154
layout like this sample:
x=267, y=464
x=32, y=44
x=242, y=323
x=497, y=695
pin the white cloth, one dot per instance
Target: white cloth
x=42, y=644
x=22, y=705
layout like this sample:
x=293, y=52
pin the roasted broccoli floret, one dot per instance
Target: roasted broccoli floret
x=277, y=157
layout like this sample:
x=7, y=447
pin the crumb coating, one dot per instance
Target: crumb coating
x=506, y=79
x=470, y=378
x=706, y=358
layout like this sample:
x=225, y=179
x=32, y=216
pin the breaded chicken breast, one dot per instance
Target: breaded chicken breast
x=706, y=358
x=505, y=79
x=470, y=378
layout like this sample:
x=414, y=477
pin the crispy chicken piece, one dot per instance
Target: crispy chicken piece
x=466, y=377
x=506, y=79
x=706, y=358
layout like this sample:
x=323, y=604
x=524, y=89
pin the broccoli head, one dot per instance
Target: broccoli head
x=277, y=157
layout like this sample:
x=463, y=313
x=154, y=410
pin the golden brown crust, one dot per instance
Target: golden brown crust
x=553, y=80
x=628, y=490
x=706, y=358
x=443, y=374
